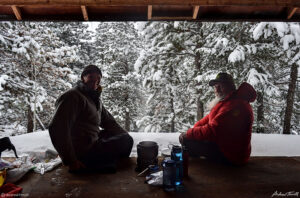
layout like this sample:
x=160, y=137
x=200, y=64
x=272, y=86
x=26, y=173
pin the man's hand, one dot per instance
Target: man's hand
x=76, y=166
x=181, y=137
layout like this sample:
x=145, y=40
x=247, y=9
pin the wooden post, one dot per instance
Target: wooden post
x=291, y=12
x=149, y=12
x=17, y=12
x=195, y=11
x=84, y=13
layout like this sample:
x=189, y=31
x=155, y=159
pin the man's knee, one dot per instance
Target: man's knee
x=127, y=143
x=182, y=138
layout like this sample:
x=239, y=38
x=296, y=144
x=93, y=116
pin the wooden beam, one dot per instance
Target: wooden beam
x=17, y=12
x=170, y=18
x=84, y=13
x=284, y=3
x=291, y=12
x=151, y=17
x=195, y=11
x=149, y=12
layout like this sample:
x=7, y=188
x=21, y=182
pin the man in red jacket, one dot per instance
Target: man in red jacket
x=224, y=135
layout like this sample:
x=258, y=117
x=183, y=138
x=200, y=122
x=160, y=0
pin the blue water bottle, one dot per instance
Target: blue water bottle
x=176, y=155
x=169, y=173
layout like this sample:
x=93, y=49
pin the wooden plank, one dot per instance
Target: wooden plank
x=171, y=18
x=17, y=12
x=149, y=12
x=285, y=3
x=291, y=12
x=195, y=11
x=84, y=13
x=266, y=174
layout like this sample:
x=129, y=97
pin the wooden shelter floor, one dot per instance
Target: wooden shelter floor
x=261, y=177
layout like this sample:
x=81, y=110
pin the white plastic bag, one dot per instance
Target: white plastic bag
x=43, y=167
x=15, y=174
x=155, y=179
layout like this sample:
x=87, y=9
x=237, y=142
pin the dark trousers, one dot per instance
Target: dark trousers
x=108, y=150
x=207, y=149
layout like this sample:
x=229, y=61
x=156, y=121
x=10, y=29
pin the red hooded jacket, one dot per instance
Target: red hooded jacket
x=229, y=125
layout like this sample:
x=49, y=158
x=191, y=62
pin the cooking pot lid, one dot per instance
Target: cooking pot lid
x=147, y=144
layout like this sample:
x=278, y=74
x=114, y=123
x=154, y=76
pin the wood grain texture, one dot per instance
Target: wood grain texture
x=291, y=12
x=84, y=13
x=17, y=12
x=286, y=3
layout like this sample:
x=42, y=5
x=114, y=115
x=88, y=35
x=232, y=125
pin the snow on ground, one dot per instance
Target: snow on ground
x=262, y=144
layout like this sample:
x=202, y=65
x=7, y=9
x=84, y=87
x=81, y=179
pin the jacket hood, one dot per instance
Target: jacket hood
x=246, y=92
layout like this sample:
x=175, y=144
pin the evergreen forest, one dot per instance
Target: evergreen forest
x=155, y=74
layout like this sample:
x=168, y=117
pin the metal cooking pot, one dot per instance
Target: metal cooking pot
x=147, y=152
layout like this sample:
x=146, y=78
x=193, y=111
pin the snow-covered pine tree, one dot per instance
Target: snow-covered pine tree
x=118, y=45
x=247, y=65
x=166, y=72
x=10, y=110
x=33, y=73
x=78, y=34
x=230, y=45
x=288, y=34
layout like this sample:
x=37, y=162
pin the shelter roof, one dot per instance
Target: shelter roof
x=144, y=10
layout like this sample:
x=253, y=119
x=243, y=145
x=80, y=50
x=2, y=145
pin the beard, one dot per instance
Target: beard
x=211, y=104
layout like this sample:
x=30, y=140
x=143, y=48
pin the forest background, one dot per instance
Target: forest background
x=155, y=74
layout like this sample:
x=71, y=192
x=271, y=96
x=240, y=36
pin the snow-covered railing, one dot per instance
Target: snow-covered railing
x=262, y=144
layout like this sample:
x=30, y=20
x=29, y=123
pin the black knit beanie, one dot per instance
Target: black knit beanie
x=90, y=69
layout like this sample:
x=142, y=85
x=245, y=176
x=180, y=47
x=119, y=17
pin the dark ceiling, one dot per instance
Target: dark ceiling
x=144, y=10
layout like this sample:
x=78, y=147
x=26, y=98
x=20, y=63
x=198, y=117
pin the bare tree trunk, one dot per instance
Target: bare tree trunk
x=35, y=96
x=200, y=109
x=173, y=125
x=260, y=113
x=40, y=122
x=127, y=121
x=29, y=120
x=290, y=100
x=31, y=115
x=173, y=118
x=200, y=105
x=126, y=98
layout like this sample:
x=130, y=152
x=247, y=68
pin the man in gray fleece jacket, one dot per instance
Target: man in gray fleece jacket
x=75, y=132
